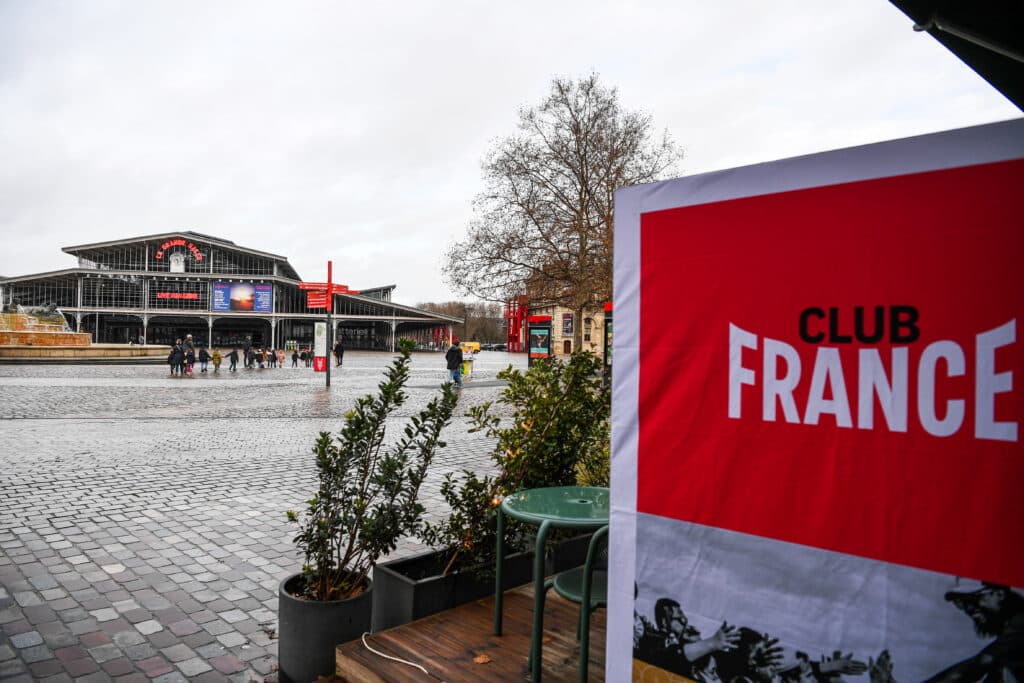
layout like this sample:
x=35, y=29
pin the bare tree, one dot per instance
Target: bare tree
x=482, y=320
x=543, y=224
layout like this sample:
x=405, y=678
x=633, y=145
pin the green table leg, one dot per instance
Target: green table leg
x=499, y=595
x=537, y=637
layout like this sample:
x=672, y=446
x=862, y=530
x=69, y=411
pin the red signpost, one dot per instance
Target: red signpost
x=321, y=295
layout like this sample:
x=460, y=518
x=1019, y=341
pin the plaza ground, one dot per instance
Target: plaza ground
x=142, y=517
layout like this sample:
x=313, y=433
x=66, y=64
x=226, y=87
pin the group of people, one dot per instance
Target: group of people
x=184, y=354
x=733, y=654
x=263, y=358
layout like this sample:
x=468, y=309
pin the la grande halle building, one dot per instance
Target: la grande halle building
x=158, y=288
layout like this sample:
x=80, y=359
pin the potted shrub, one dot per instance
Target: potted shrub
x=558, y=436
x=366, y=500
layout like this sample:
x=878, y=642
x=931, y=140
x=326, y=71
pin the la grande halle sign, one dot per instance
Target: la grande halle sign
x=179, y=243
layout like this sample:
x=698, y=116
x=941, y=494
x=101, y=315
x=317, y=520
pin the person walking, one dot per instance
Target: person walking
x=233, y=359
x=272, y=358
x=454, y=359
x=177, y=359
x=280, y=358
x=190, y=360
x=204, y=358
x=339, y=352
x=217, y=358
x=295, y=358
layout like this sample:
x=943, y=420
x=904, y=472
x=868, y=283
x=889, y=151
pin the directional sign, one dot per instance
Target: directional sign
x=322, y=287
x=316, y=300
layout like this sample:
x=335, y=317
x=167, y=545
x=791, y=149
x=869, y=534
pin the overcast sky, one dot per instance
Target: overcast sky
x=354, y=132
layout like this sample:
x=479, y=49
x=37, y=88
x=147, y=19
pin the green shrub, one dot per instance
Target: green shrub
x=558, y=436
x=367, y=498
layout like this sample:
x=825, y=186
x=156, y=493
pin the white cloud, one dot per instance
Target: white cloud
x=354, y=131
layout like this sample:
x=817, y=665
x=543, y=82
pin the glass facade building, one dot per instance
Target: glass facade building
x=157, y=288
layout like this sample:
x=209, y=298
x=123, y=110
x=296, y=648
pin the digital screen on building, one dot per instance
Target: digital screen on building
x=243, y=296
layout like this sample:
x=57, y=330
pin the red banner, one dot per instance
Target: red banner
x=845, y=371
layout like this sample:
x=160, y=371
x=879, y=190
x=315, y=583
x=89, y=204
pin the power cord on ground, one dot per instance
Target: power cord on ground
x=393, y=659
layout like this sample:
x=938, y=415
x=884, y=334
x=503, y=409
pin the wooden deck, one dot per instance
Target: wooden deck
x=447, y=645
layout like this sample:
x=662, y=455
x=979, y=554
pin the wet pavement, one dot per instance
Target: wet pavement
x=142, y=517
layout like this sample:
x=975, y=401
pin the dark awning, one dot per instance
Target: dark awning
x=988, y=35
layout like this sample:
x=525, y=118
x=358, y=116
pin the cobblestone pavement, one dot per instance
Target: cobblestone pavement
x=142, y=517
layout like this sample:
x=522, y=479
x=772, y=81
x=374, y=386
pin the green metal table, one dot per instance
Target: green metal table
x=561, y=507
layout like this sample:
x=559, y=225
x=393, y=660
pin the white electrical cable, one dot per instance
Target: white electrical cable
x=393, y=659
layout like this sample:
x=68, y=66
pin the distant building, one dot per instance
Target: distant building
x=563, y=328
x=157, y=288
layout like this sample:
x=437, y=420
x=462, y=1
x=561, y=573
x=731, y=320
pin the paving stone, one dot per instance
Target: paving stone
x=147, y=627
x=218, y=627
x=134, y=616
x=140, y=651
x=36, y=653
x=118, y=667
x=154, y=666
x=46, y=668
x=126, y=638
x=57, y=678
x=233, y=616
x=81, y=667
x=104, y=653
x=28, y=598
x=193, y=667
x=43, y=582
x=232, y=639
x=27, y=639
x=83, y=626
x=178, y=653
x=73, y=614
x=173, y=677
x=94, y=639
x=95, y=677
x=61, y=637
x=263, y=665
x=116, y=626
x=132, y=678
x=199, y=639
x=163, y=639
x=13, y=668
x=106, y=614
x=10, y=615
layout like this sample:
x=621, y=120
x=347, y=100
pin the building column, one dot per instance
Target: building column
x=145, y=326
x=78, y=298
x=209, y=334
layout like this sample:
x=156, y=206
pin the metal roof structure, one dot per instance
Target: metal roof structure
x=987, y=35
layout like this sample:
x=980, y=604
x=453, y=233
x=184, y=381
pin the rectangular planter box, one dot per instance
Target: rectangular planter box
x=412, y=588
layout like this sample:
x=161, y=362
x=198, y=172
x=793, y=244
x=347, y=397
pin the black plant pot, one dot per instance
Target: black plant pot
x=308, y=631
x=414, y=587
